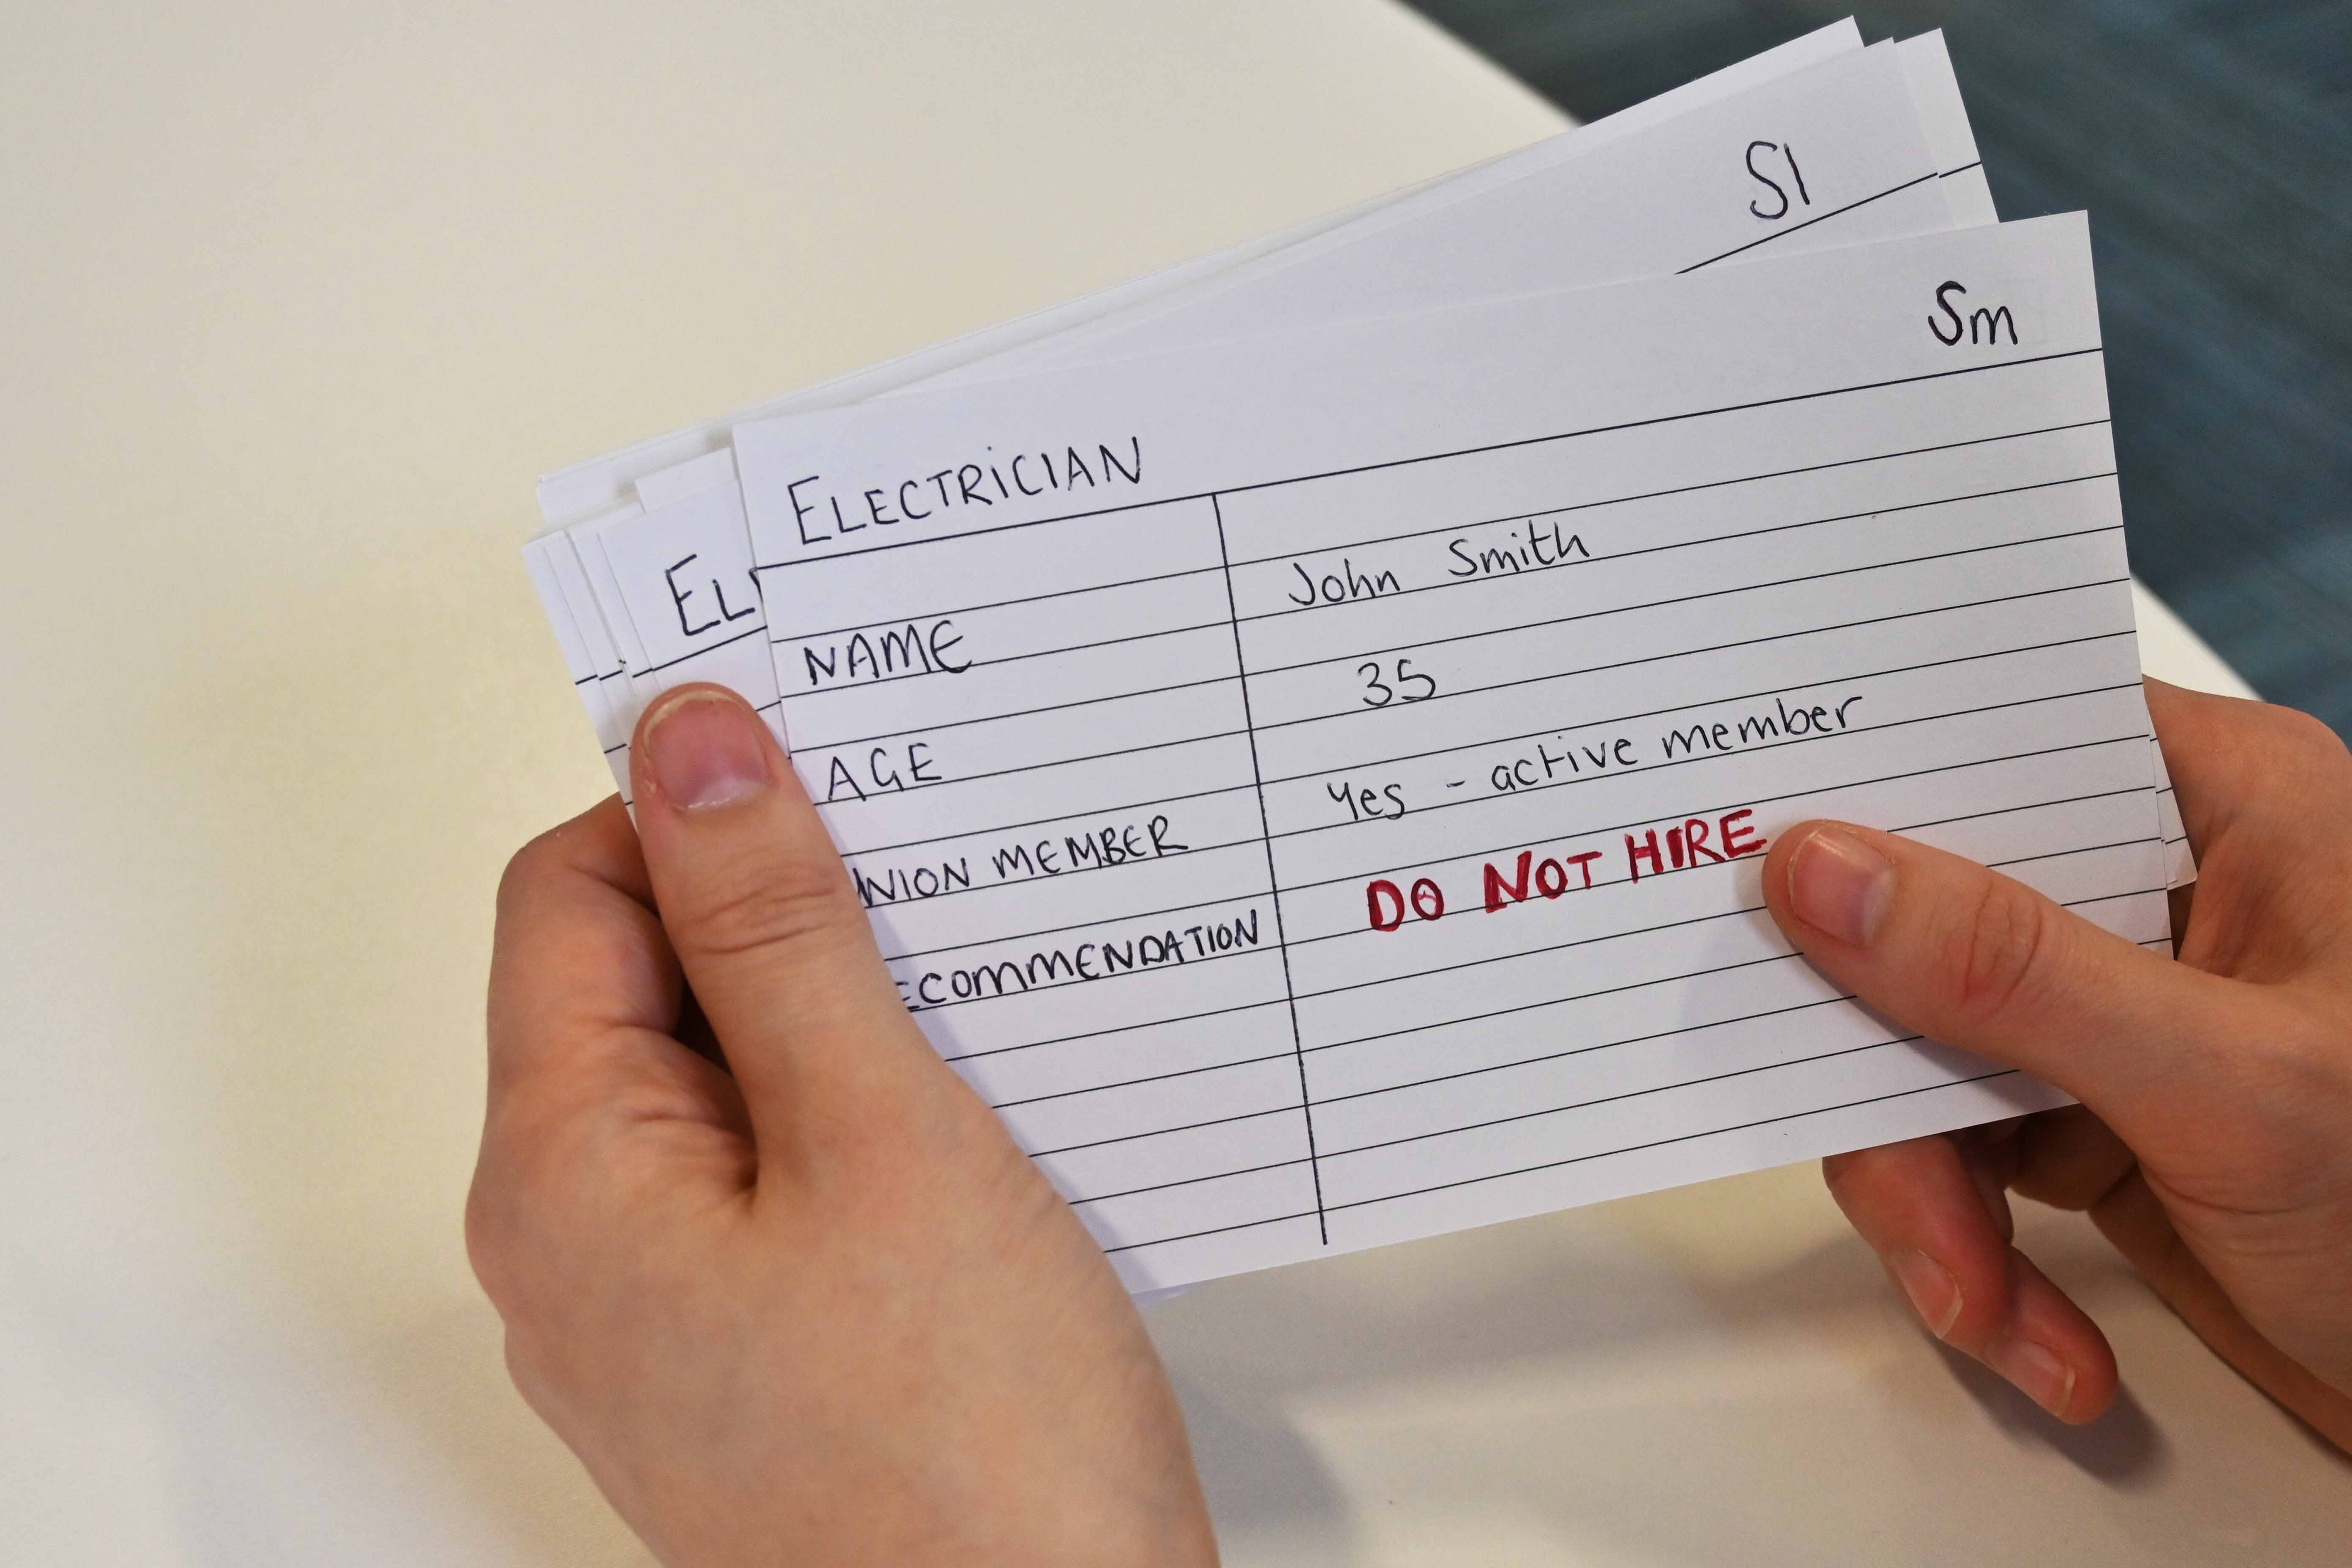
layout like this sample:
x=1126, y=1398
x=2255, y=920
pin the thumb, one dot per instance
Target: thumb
x=1973, y=959
x=767, y=929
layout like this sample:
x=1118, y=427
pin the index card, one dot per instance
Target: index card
x=612, y=609
x=2180, y=859
x=578, y=662
x=681, y=572
x=1945, y=119
x=1640, y=203
x=1315, y=294
x=1313, y=786
x=1830, y=155
x=678, y=569
x=555, y=561
x=602, y=483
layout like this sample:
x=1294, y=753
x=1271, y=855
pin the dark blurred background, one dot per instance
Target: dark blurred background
x=2211, y=142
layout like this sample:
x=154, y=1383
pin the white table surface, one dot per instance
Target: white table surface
x=297, y=303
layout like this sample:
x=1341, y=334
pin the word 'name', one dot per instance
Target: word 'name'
x=821, y=514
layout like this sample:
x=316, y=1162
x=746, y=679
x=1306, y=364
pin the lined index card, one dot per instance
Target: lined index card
x=1647, y=191
x=1314, y=786
x=603, y=483
x=1832, y=154
x=1371, y=853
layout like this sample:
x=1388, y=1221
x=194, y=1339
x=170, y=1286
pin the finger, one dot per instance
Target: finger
x=583, y=997
x=2069, y=1159
x=1971, y=958
x=2262, y=791
x=578, y=959
x=586, y=1003
x=1945, y=1243
x=760, y=909
x=2233, y=759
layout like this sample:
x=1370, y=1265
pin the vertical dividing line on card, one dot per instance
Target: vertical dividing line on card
x=1273, y=882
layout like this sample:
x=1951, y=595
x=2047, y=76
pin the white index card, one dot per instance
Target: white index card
x=2180, y=860
x=682, y=571
x=578, y=661
x=1830, y=155
x=1313, y=787
x=1640, y=198
x=603, y=482
x=1928, y=64
x=676, y=602
x=557, y=554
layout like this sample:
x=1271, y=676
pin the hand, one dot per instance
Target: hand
x=813, y=1305
x=2213, y=1144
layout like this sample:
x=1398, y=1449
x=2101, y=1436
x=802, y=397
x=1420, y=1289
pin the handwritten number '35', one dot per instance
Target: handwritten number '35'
x=1409, y=686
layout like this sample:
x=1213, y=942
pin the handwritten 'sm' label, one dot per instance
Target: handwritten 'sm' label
x=1983, y=325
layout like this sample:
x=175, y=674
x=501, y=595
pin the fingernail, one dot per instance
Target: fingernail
x=704, y=750
x=2036, y=1371
x=1840, y=885
x=1935, y=1294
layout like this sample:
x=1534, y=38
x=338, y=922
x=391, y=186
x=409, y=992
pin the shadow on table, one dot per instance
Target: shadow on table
x=2123, y=1447
x=1597, y=1370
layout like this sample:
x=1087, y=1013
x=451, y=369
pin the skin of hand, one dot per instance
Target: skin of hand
x=812, y=1307
x=2213, y=1142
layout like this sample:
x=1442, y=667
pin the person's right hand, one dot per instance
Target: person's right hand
x=813, y=1306
x=2213, y=1145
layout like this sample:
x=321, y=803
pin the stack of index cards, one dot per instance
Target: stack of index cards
x=1305, y=724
